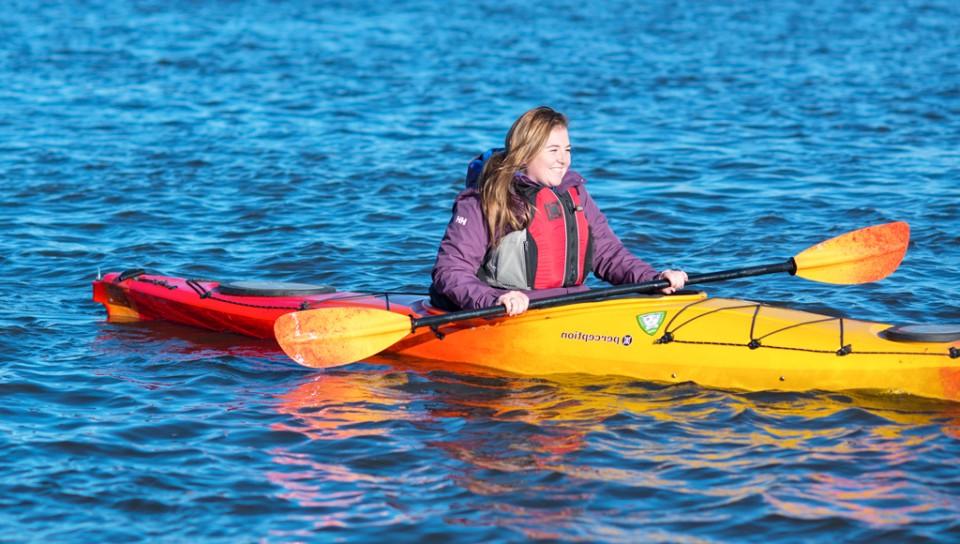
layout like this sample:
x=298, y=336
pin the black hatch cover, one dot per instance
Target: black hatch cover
x=272, y=289
x=923, y=333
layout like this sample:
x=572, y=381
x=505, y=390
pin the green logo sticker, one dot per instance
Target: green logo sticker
x=650, y=323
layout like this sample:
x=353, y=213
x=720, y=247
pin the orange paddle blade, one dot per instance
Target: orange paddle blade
x=328, y=337
x=861, y=256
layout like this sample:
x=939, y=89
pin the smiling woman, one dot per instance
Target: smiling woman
x=525, y=227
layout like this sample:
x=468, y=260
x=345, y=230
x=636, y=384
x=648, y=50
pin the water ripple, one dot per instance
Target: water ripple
x=324, y=143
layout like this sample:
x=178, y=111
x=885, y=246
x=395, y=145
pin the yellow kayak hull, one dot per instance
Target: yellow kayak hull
x=715, y=342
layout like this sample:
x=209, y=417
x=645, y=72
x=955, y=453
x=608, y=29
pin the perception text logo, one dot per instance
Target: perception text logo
x=650, y=322
x=580, y=336
x=461, y=220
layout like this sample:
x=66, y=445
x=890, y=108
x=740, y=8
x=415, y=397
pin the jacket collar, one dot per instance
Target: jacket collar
x=570, y=179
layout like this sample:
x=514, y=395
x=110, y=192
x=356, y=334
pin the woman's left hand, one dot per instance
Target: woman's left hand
x=677, y=279
x=515, y=302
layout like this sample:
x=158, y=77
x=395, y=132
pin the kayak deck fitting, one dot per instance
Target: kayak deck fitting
x=715, y=342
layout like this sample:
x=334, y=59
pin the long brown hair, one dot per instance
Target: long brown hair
x=525, y=139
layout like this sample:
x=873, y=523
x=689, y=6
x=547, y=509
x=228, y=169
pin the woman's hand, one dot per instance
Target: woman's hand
x=677, y=279
x=515, y=302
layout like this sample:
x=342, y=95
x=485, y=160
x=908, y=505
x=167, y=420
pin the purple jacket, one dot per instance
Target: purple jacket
x=464, y=247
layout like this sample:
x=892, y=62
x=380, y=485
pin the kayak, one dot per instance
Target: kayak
x=686, y=337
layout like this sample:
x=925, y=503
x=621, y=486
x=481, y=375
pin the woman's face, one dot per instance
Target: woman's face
x=550, y=164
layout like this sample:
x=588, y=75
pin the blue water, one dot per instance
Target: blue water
x=324, y=142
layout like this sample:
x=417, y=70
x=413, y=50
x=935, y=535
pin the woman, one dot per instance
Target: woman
x=526, y=227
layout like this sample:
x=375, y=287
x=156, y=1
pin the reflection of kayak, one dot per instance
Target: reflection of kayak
x=687, y=337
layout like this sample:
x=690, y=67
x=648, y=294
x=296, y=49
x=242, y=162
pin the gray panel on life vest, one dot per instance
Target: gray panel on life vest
x=506, y=266
x=923, y=333
x=272, y=289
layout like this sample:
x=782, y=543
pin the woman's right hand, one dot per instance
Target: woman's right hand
x=516, y=302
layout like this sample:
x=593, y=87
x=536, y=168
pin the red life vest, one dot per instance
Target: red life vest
x=559, y=248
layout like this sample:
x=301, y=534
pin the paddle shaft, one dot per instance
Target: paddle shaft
x=606, y=293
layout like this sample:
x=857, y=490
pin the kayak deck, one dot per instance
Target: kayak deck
x=223, y=307
x=724, y=343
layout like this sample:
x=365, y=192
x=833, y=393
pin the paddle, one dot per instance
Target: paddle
x=327, y=337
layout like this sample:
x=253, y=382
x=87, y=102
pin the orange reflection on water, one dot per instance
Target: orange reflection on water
x=512, y=440
x=484, y=413
x=305, y=485
x=341, y=406
x=832, y=496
